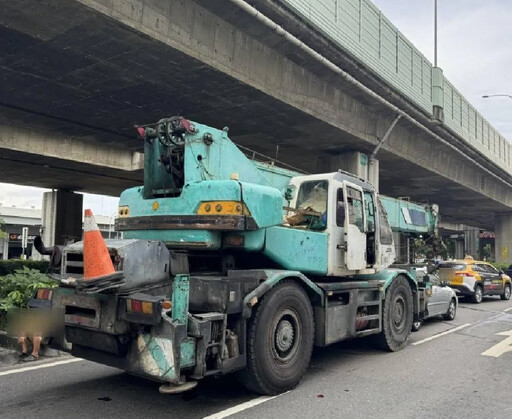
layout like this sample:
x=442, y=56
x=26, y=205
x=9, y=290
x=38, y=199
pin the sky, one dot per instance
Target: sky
x=474, y=45
x=474, y=51
x=27, y=197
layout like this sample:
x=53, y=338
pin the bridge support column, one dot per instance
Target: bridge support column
x=353, y=162
x=471, y=237
x=503, y=230
x=61, y=218
x=459, y=249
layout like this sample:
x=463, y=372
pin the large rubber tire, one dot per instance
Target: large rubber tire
x=280, y=340
x=397, y=316
x=506, y=293
x=452, y=310
x=478, y=295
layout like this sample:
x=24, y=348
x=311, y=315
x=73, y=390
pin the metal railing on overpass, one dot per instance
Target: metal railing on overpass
x=360, y=29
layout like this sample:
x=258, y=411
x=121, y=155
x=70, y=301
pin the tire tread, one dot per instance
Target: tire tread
x=249, y=376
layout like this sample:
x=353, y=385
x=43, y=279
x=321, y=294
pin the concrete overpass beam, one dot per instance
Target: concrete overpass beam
x=503, y=230
x=61, y=218
x=49, y=145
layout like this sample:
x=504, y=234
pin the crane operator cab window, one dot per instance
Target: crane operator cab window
x=312, y=199
x=370, y=228
x=355, y=208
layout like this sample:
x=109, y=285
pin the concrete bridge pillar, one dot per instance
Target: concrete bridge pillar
x=471, y=237
x=353, y=162
x=503, y=230
x=61, y=218
x=459, y=249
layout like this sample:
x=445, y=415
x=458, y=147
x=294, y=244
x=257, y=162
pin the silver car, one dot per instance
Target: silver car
x=441, y=302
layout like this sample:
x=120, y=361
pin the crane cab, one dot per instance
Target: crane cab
x=350, y=212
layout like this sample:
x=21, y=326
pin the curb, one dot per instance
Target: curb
x=7, y=341
x=8, y=357
x=10, y=342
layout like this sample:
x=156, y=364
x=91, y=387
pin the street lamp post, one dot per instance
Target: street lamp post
x=435, y=33
x=110, y=224
x=498, y=95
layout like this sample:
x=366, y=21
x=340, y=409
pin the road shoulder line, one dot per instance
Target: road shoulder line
x=241, y=407
x=455, y=329
x=36, y=367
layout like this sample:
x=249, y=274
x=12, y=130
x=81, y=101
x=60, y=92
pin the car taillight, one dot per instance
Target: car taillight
x=44, y=294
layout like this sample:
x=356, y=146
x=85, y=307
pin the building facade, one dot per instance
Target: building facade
x=16, y=218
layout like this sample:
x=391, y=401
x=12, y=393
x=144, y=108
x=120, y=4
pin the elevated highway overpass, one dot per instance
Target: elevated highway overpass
x=320, y=79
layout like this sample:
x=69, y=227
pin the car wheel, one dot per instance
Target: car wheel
x=416, y=326
x=506, y=293
x=279, y=340
x=452, y=310
x=478, y=295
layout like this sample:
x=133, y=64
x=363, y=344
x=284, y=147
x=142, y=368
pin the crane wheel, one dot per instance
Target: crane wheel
x=397, y=316
x=279, y=340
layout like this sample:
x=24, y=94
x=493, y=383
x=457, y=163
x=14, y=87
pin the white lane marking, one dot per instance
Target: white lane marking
x=508, y=309
x=441, y=334
x=241, y=407
x=36, y=367
x=500, y=348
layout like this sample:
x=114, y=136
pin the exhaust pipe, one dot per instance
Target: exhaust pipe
x=54, y=252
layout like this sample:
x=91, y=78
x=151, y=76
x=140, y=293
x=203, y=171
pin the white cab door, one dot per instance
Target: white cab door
x=355, y=222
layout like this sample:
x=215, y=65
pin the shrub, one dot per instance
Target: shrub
x=17, y=288
x=11, y=265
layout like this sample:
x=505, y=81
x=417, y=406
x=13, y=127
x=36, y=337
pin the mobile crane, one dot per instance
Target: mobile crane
x=232, y=265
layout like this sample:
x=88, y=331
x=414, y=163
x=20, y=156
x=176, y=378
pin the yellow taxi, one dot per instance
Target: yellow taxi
x=475, y=278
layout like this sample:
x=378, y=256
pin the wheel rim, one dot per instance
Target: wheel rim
x=451, y=310
x=398, y=316
x=507, y=292
x=286, y=336
x=478, y=294
x=416, y=325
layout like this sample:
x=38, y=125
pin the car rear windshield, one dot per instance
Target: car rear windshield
x=452, y=265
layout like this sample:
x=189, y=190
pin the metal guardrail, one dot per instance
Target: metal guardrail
x=361, y=29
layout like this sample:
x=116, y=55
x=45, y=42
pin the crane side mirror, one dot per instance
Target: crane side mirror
x=288, y=192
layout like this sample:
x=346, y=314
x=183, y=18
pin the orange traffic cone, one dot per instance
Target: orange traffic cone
x=97, y=262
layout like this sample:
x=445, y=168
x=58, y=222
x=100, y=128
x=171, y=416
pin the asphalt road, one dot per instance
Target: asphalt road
x=438, y=375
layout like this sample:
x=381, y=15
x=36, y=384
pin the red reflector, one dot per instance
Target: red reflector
x=137, y=306
x=186, y=124
x=142, y=132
